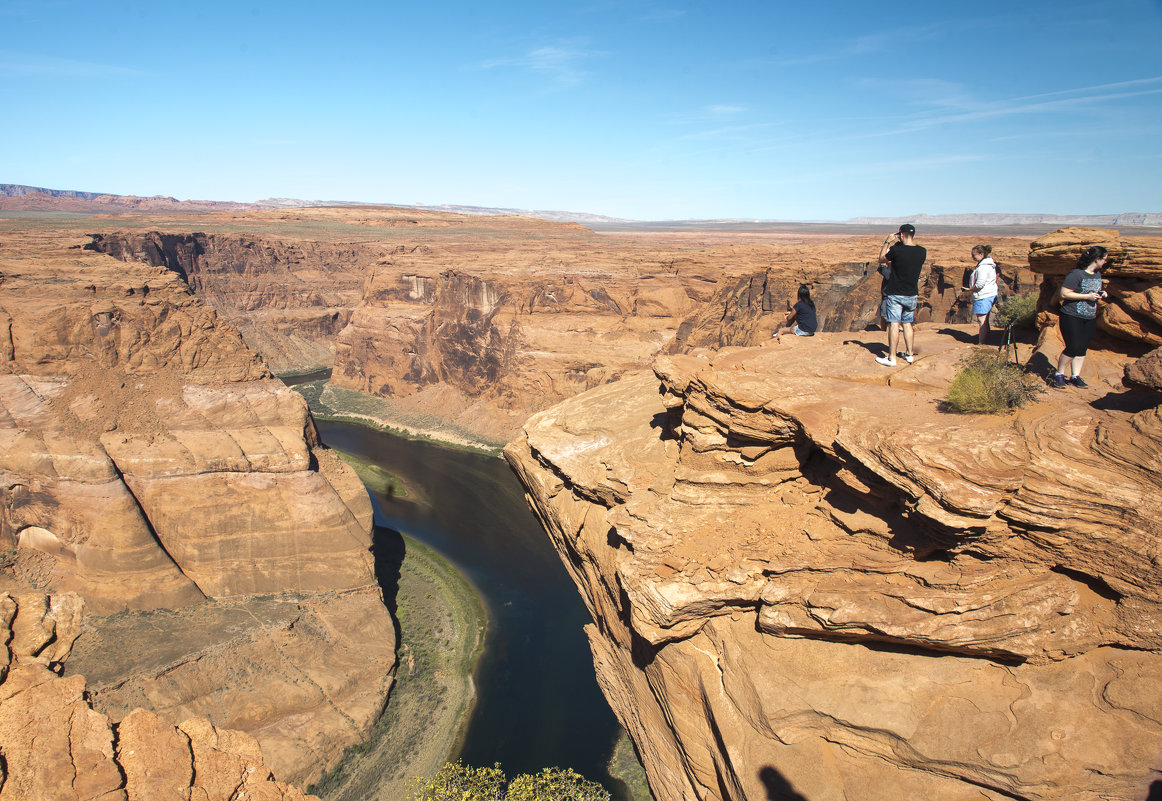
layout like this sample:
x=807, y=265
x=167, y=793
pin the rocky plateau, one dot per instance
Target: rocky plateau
x=804, y=576
x=468, y=324
x=808, y=580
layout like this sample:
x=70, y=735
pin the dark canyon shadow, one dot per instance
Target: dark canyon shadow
x=777, y=787
x=388, y=548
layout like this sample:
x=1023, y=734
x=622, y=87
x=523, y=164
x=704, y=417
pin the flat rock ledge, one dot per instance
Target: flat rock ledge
x=808, y=580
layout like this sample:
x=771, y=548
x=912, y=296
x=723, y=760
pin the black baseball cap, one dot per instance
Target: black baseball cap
x=908, y=228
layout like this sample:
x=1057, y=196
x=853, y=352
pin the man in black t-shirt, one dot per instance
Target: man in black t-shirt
x=901, y=290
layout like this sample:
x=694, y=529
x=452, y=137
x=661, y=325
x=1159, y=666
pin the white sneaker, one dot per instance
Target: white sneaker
x=885, y=361
x=909, y=358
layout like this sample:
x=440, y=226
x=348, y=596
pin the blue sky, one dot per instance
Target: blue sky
x=645, y=110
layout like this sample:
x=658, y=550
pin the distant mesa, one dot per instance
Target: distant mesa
x=18, y=197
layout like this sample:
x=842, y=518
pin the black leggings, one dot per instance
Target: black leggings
x=1077, y=333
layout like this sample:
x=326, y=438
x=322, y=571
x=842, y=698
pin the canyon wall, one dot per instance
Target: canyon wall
x=55, y=745
x=288, y=296
x=470, y=324
x=809, y=581
x=150, y=465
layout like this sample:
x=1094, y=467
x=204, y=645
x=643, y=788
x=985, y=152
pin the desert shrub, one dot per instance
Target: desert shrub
x=989, y=383
x=555, y=784
x=1018, y=311
x=458, y=782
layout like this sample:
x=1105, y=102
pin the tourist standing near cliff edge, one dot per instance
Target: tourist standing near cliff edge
x=1080, y=292
x=903, y=259
x=982, y=283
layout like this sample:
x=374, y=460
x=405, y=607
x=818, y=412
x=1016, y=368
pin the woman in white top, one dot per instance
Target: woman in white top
x=983, y=284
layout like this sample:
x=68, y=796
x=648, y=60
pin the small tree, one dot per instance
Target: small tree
x=458, y=782
x=1019, y=311
x=555, y=784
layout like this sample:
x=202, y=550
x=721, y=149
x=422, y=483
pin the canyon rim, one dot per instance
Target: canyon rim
x=787, y=596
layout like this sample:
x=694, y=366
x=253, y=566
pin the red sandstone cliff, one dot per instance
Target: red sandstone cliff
x=55, y=745
x=149, y=464
x=808, y=581
x=473, y=323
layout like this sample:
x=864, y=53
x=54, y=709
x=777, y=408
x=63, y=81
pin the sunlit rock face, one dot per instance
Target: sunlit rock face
x=55, y=745
x=471, y=323
x=288, y=296
x=808, y=581
x=151, y=465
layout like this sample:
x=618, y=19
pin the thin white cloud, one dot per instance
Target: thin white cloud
x=562, y=62
x=38, y=65
x=662, y=14
x=868, y=44
x=948, y=103
x=1065, y=100
x=730, y=130
x=725, y=110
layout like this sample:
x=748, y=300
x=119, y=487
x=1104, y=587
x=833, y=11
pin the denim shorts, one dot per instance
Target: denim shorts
x=799, y=332
x=984, y=305
x=899, y=308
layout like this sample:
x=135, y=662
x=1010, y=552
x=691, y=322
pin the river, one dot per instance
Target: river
x=538, y=703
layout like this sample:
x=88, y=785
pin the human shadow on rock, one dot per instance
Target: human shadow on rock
x=1039, y=364
x=1155, y=791
x=1132, y=401
x=777, y=787
x=388, y=548
x=875, y=348
x=966, y=337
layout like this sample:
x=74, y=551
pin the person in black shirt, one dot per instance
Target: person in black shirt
x=801, y=320
x=903, y=260
x=1080, y=292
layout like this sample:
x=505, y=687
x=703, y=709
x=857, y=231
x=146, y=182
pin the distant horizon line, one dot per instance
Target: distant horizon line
x=1136, y=218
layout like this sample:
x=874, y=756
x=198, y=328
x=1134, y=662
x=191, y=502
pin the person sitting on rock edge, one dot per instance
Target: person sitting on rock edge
x=1080, y=292
x=901, y=290
x=983, y=285
x=801, y=320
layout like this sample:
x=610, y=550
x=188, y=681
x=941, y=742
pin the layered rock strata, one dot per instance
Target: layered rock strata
x=466, y=325
x=149, y=464
x=485, y=345
x=55, y=745
x=807, y=581
x=288, y=297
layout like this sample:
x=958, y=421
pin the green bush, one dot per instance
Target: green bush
x=989, y=383
x=1018, y=311
x=459, y=782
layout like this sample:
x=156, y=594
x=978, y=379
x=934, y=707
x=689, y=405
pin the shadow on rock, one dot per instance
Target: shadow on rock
x=777, y=787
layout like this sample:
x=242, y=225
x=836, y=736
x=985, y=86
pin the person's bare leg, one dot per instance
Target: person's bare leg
x=982, y=336
x=908, y=336
x=893, y=337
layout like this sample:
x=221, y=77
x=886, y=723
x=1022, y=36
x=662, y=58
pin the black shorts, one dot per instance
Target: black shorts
x=1078, y=333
